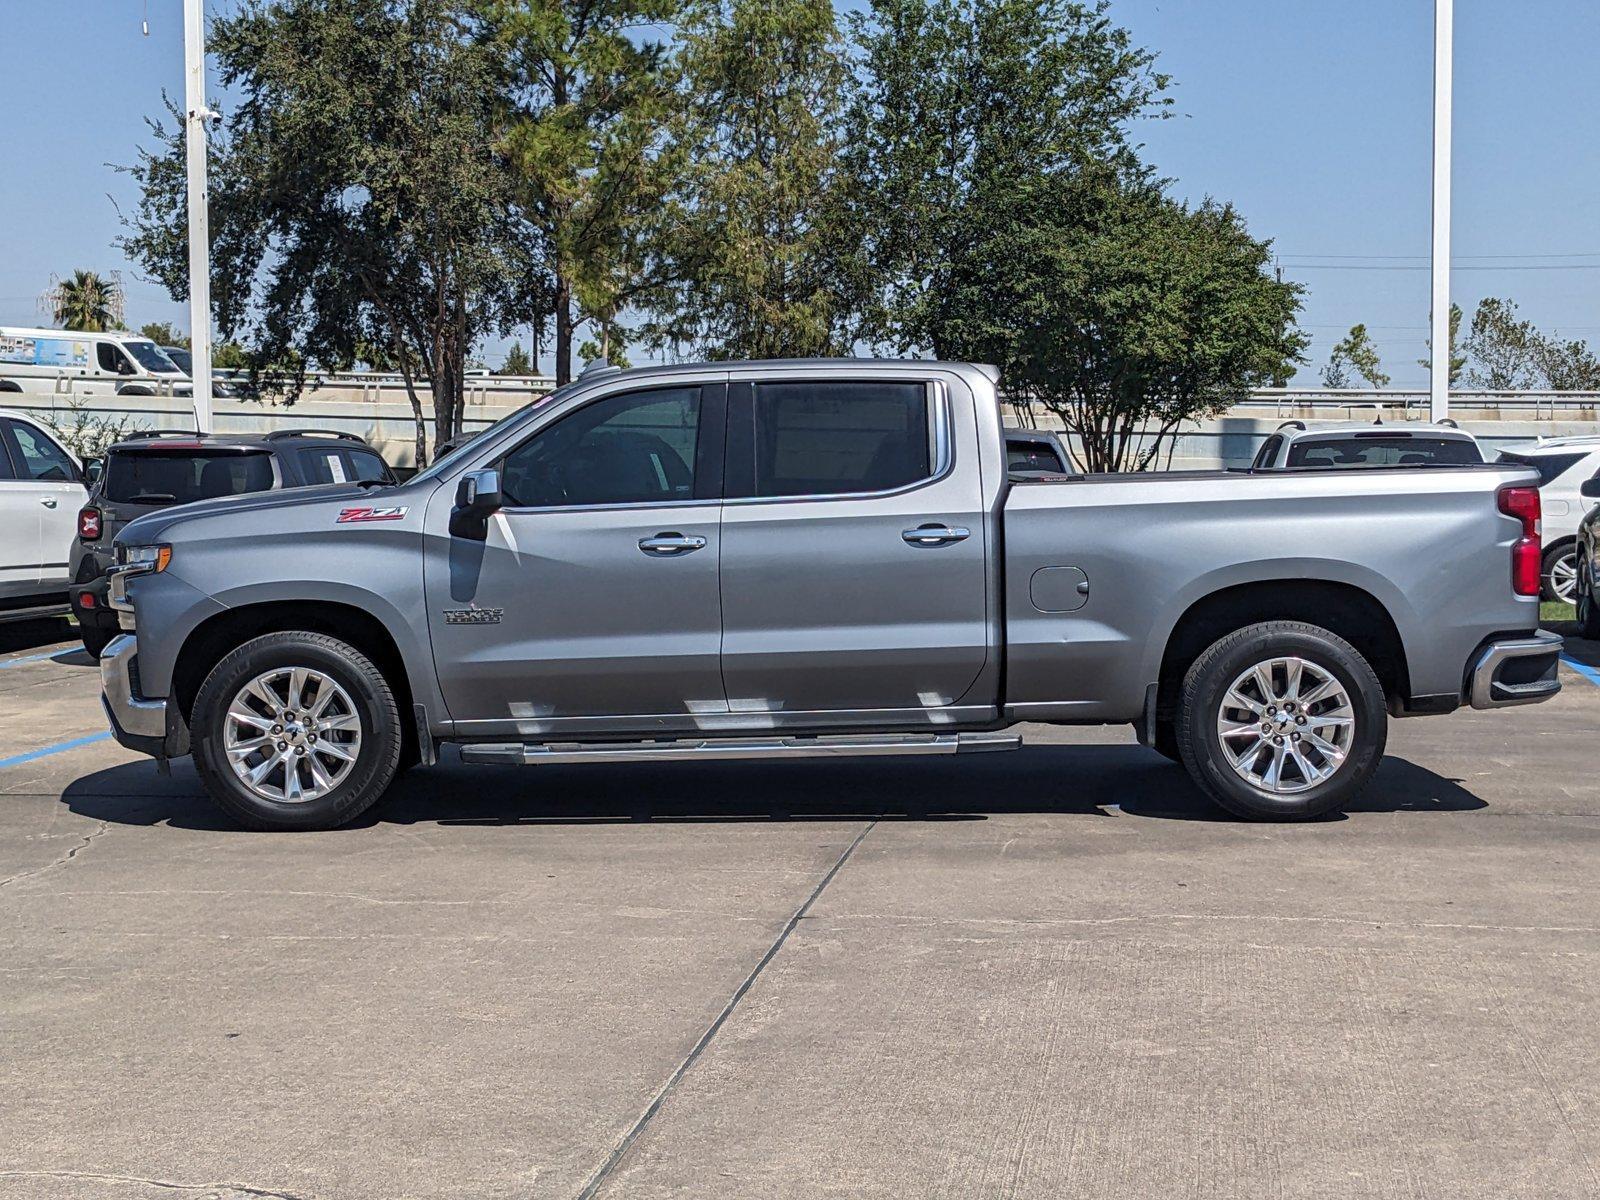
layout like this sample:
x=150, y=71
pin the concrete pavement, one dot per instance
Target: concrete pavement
x=1057, y=972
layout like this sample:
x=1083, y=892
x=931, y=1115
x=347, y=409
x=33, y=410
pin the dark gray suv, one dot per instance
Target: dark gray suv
x=159, y=469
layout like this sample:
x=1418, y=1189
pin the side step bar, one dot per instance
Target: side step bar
x=705, y=749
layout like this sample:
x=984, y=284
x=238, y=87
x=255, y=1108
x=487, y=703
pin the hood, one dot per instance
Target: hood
x=154, y=527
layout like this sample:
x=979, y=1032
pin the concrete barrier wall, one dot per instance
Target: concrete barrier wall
x=382, y=415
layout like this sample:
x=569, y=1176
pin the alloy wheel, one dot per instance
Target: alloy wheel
x=1286, y=725
x=292, y=734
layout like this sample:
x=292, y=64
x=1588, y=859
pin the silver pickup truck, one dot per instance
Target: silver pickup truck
x=783, y=559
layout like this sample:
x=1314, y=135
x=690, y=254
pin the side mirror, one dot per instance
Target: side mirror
x=477, y=497
x=1590, y=489
x=124, y=367
x=93, y=468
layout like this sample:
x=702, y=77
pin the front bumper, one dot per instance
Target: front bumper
x=147, y=726
x=1515, y=670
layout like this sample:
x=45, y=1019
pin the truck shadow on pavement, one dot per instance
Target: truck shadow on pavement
x=1086, y=780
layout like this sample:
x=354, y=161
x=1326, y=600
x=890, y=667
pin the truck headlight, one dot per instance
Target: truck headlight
x=151, y=558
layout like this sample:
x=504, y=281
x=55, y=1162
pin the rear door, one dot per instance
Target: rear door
x=592, y=599
x=51, y=477
x=853, y=549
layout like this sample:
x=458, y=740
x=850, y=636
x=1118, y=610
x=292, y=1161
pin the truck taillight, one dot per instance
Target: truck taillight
x=89, y=524
x=1523, y=504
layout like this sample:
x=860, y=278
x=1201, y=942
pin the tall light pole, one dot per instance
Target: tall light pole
x=197, y=123
x=1439, y=355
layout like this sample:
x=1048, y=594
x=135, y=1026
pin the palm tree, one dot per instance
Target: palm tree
x=86, y=302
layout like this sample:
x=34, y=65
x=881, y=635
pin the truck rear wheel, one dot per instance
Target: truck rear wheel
x=1282, y=721
x=296, y=731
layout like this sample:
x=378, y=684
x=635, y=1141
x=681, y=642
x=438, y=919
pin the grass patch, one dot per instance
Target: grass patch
x=1555, y=610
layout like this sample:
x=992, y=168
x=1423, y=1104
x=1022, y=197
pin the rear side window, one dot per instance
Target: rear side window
x=1268, y=452
x=1549, y=466
x=38, y=457
x=336, y=464
x=183, y=476
x=827, y=439
x=1383, y=452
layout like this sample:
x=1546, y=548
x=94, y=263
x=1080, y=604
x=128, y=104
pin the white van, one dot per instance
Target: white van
x=41, y=491
x=67, y=362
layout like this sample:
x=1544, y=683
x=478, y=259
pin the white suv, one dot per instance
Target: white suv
x=1296, y=444
x=1563, y=464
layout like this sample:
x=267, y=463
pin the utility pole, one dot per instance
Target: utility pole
x=1439, y=348
x=197, y=122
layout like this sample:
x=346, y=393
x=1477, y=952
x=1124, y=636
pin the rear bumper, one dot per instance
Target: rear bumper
x=147, y=726
x=1515, y=670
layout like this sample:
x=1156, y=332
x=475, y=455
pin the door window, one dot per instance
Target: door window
x=41, y=458
x=634, y=448
x=829, y=439
x=111, y=359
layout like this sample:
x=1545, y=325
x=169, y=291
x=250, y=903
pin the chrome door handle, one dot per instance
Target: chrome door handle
x=668, y=545
x=935, y=535
x=49, y=502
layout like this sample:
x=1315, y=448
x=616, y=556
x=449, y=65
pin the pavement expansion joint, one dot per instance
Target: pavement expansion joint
x=597, y=1180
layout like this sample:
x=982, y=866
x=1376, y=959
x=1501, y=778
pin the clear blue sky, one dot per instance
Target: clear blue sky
x=1313, y=118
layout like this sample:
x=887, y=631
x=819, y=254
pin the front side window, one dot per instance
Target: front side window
x=827, y=439
x=1383, y=452
x=633, y=448
x=367, y=467
x=111, y=359
x=149, y=356
x=42, y=459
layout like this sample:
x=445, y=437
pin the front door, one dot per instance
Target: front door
x=19, y=528
x=853, y=551
x=593, y=600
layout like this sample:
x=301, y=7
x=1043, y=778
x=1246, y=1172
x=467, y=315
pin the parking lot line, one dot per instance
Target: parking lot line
x=17, y=760
x=1584, y=669
x=17, y=662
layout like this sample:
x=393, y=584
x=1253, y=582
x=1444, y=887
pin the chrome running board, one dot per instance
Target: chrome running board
x=705, y=749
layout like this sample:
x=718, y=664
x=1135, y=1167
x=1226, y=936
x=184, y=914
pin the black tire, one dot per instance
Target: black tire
x=372, y=698
x=1588, y=607
x=1215, y=671
x=1547, y=567
x=95, y=639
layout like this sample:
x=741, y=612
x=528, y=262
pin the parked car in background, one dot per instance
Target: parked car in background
x=69, y=364
x=1035, y=451
x=161, y=469
x=1564, y=465
x=776, y=560
x=1297, y=444
x=41, y=487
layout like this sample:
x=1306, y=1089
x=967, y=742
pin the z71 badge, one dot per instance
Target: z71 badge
x=353, y=516
x=473, y=616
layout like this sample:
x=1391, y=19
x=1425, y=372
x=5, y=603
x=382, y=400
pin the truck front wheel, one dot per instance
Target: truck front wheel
x=1282, y=721
x=296, y=731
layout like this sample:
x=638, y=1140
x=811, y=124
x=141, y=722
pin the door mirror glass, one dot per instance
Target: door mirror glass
x=1590, y=488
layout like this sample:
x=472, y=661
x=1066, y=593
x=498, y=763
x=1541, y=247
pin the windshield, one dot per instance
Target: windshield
x=184, y=476
x=1366, y=450
x=148, y=355
x=181, y=358
x=445, y=463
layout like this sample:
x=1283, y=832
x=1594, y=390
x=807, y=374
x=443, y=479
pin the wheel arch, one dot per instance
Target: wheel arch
x=1351, y=612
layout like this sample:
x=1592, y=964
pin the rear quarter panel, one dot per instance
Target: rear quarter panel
x=1429, y=545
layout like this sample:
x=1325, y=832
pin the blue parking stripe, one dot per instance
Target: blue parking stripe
x=17, y=662
x=17, y=760
x=1584, y=669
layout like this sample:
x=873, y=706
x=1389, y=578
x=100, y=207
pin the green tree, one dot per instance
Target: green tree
x=749, y=255
x=1503, y=349
x=1458, y=357
x=356, y=198
x=1120, y=311
x=87, y=302
x=1567, y=366
x=590, y=104
x=958, y=107
x=517, y=361
x=1356, y=355
x=162, y=333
